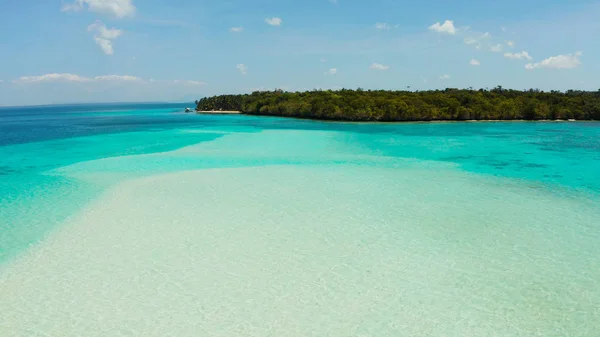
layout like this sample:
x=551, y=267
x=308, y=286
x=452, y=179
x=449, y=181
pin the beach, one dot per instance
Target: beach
x=212, y=112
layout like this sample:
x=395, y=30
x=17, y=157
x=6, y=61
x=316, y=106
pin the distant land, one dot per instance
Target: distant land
x=434, y=105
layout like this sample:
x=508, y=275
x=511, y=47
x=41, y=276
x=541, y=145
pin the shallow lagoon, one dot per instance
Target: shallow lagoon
x=140, y=220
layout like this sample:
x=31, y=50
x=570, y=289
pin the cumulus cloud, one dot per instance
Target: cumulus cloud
x=477, y=40
x=445, y=77
x=74, y=7
x=485, y=40
x=518, y=56
x=236, y=29
x=331, y=71
x=107, y=33
x=568, y=61
x=275, y=21
x=116, y=8
x=383, y=25
x=445, y=28
x=105, y=45
x=242, y=68
x=104, y=36
x=497, y=48
x=475, y=62
x=378, y=66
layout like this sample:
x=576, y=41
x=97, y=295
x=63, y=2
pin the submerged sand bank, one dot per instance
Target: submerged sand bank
x=309, y=251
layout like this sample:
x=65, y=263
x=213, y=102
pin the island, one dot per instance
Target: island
x=434, y=105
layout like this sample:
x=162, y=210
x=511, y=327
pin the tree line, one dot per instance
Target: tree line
x=382, y=105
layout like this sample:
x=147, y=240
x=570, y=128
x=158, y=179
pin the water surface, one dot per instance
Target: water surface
x=166, y=223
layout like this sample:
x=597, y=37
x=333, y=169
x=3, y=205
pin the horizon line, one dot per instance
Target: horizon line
x=90, y=103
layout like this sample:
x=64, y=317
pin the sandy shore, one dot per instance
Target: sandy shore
x=219, y=112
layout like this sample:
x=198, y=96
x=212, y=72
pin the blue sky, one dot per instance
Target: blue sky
x=54, y=51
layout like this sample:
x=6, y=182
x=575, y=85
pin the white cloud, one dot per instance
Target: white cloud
x=446, y=28
x=236, y=29
x=104, y=36
x=485, y=40
x=323, y=60
x=107, y=33
x=331, y=71
x=475, y=62
x=64, y=77
x=74, y=7
x=476, y=40
x=190, y=82
x=518, y=56
x=275, y=21
x=568, y=61
x=378, y=66
x=497, y=48
x=185, y=82
x=106, y=45
x=117, y=78
x=383, y=25
x=116, y=8
x=242, y=68
x=445, y=77
x=334, y=2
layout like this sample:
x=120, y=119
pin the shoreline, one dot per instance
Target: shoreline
x=342, y=120
x=227, y=112
x=363, y=121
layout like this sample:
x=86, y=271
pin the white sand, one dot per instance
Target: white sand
x=211, y=112
x=291, y=251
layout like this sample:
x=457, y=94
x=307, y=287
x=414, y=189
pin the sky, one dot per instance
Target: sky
x=75, y=51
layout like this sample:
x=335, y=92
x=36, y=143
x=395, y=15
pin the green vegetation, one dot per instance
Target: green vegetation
x=448, y=104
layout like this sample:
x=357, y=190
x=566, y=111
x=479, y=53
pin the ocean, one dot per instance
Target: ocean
x=141, y=220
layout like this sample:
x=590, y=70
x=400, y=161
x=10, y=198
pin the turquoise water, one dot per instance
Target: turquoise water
x=420, y=229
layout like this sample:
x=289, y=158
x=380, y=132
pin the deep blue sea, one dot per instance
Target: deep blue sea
x=243, y=225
